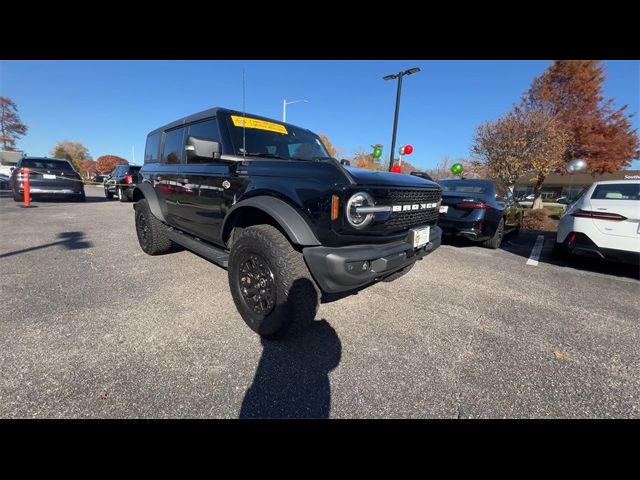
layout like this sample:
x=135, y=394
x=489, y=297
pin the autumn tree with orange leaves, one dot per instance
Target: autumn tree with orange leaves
x=364, y=159
x=106, y=163
x=87, y=168
x=333, y=151
x=571, y=92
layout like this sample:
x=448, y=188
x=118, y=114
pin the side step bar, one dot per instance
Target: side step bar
x=215, y=254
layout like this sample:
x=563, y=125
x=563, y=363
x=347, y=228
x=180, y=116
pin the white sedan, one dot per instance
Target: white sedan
x=604, y=222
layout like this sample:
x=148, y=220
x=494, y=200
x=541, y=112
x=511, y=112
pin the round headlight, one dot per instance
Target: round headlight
x=359, y=219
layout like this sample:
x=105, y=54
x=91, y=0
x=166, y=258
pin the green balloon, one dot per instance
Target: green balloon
x=377, y=153
x=457, y=168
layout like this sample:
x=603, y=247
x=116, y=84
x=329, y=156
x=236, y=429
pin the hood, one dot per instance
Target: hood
x=388, y=179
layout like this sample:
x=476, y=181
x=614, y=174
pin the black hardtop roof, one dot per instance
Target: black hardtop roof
x=213, y=112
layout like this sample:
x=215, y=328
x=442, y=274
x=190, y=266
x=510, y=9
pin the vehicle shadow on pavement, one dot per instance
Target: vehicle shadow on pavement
x=70, y=241
x=292, y=378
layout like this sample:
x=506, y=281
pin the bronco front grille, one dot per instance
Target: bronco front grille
x=395, y=197
x=404, y=220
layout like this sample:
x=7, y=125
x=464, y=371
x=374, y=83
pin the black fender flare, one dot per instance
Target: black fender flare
x=284, y=214
x=148, y=192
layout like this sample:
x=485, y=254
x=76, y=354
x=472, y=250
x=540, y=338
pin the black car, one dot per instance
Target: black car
x=121, y=182
x=4, y=182
x=48, y=177
x=478, y=210
x=290, y=223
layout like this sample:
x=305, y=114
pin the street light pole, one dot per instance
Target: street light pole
x=284, y=108
x=395, y=121
x=395, y=117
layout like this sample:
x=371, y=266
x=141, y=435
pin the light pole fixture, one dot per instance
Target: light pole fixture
x=399, y=76
x=284, y=107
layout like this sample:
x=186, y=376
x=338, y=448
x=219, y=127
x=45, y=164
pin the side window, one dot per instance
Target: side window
x=173, y=149
x=207, y=130
x=152, y=149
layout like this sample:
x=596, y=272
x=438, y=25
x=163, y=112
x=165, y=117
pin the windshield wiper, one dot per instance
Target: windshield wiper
x=262, y=154
x=313, y=159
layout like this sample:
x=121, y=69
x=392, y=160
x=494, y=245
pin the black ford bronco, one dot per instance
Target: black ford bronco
x=290, y=223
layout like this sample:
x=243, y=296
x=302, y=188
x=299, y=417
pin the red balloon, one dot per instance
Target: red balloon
x=396, y=168
x=408, y=149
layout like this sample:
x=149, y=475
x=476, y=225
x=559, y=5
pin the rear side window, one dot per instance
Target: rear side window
x=207, y=130
x=617, y=191
x=173, y=149
x=152, y=149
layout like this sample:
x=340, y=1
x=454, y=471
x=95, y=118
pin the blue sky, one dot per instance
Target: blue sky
x=111, y=105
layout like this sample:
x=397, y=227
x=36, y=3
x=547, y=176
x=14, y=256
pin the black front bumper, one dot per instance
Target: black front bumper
x=340, y=269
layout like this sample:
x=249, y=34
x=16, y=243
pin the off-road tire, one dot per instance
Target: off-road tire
x=495, y=241
x=156, y=241
x=296, y=294
x=399, y=273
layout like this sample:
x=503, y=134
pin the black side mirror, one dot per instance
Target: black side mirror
x=346, y=162
x=202, y=148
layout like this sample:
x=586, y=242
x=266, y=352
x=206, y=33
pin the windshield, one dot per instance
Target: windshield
x=467, y=186
x=274, y=140
x=46, y=164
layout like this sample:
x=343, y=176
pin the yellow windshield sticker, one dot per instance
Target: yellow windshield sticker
x=260, y=124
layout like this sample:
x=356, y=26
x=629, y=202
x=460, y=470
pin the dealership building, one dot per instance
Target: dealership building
x=570, y=186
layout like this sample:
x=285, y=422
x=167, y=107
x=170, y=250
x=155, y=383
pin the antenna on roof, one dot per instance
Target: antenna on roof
x=244, y=145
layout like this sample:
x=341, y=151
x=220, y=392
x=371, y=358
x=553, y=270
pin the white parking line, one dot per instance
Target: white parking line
x=535, y=253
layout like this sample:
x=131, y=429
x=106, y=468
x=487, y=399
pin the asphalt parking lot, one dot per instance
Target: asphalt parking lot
x=93, y=327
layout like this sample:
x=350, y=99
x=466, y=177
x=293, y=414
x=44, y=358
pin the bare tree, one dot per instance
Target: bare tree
x=521, y=142
x=11, y=128
x=75, y=152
